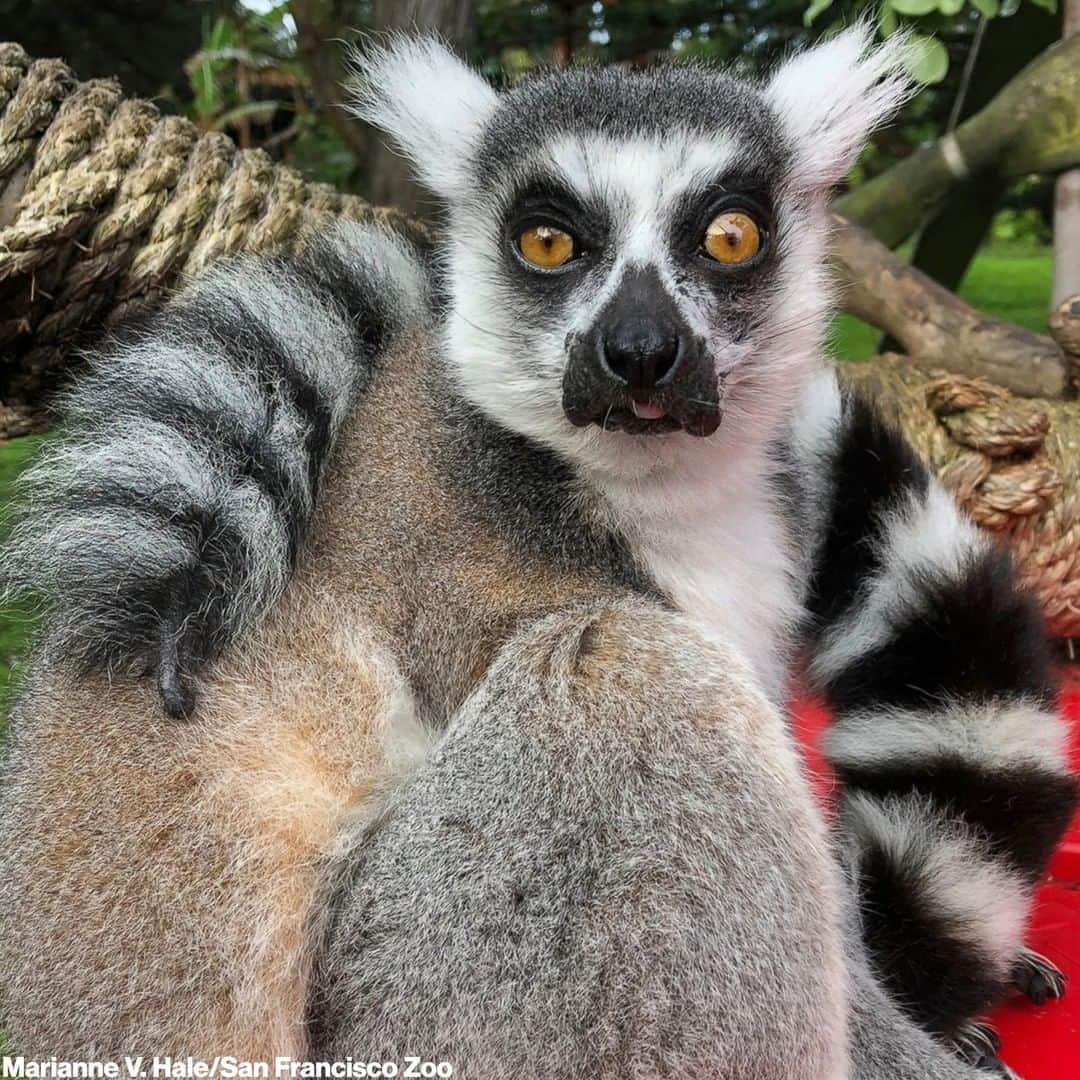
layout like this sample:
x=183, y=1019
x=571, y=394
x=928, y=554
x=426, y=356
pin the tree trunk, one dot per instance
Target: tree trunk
x=936, y=326
x=1033, y=125
x=562, y=50
x=947, y=242
x=1067, y=201
x=316, y=23
x=390, y=178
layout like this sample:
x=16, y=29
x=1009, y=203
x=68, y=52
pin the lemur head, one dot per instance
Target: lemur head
x=633, y=258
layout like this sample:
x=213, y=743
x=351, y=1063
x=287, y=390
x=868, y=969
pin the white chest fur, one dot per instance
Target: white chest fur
x=718, y=547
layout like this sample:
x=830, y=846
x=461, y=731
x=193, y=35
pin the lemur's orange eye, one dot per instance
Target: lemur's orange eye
x=733, y=237
x=546, y=246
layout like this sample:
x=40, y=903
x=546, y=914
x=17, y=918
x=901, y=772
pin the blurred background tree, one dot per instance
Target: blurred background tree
x=269, y=74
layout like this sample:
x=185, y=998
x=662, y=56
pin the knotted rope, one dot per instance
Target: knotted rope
x=1012, y=463
x=106, y=207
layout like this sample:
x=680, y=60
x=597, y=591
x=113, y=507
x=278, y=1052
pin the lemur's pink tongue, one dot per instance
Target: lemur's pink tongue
x=644, y=411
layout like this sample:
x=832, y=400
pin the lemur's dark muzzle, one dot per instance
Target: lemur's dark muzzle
x=642, y=351
x=640, y=368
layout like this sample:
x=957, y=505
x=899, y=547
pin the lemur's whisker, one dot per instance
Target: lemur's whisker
x=497, y=334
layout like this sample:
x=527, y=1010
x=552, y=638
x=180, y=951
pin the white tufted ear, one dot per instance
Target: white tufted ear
x=429, y=101
x=830, y=97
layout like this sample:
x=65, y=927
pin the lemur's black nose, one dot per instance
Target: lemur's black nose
x=640, y=366
x=641, y=351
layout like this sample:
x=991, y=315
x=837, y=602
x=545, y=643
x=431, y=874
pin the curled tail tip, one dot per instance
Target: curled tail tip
x=183, y=483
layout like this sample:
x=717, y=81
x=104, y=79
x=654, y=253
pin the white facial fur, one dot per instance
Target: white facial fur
x=518, y=379
x=436, y=109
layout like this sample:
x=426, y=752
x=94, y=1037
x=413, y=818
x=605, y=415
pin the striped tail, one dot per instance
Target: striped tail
x=167, y=515
x=946, y=739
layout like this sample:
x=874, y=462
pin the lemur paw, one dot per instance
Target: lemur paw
x=1037, y=978
x=978, y=1045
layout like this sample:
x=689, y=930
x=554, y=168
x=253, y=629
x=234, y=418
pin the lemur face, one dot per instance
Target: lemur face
x=638, y=252
x=634, y=259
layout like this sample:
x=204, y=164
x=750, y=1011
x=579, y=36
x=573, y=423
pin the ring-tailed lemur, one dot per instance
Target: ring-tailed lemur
x=479, y=575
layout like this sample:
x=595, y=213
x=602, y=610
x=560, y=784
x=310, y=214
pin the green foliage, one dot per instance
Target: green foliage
x=317, y=151
x=816, y=8
x=1025, y=226
x=16, y=622
x=927, y=59
x=250, y=80
x=209, y=98
x=244, y=77
x=914, y=7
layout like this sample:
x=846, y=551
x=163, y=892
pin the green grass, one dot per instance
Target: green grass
x=1010, y=282
x=15, y=621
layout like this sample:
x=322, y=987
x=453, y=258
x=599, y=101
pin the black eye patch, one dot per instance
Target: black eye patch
x=547, y=202
x=696, y=209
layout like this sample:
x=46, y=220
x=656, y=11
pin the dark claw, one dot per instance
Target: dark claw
x=177, y=692
x=978, y=1045
x=1037, y=978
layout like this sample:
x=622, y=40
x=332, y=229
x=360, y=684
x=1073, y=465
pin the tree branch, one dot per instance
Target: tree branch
x=936, y=326
x=1032, y=125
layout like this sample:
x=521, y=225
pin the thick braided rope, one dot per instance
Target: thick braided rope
x=106, y=206
x=1013, y=463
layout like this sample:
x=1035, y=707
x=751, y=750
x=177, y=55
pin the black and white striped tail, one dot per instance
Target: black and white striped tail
x=951, y=753
x=168, y=513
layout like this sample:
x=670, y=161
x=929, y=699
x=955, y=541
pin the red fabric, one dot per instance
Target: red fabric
x=1039, y=1043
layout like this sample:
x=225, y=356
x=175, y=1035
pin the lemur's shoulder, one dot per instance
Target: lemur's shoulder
x=169, y=511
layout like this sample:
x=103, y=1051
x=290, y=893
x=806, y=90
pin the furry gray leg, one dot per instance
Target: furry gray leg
x=615, y=870
x=887, y=1045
